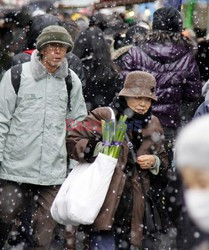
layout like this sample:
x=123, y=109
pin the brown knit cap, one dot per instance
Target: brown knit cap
x=139, y=84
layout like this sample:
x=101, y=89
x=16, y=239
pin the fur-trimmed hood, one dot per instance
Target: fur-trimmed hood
x=160, y=36
x=164, y=53
x=164, y=46
x=39, y=71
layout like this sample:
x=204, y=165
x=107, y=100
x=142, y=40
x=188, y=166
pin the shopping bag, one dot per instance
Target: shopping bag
x=106, y=216
x=82, y=194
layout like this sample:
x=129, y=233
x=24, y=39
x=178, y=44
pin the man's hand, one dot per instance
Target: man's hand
x=146, y=161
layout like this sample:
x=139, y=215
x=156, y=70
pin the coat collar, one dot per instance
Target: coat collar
x=39, y=71
x=119, y=52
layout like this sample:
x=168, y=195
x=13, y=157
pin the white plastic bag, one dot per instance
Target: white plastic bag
x=82, y=194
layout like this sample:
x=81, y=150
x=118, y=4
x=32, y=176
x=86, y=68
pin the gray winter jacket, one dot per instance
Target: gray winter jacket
x=33, y=124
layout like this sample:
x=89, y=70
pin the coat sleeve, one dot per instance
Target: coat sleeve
x=79, y=111
x=7, y=107
x=192, y=86
x=84, y=136
x=160, y=181
x=159, y=150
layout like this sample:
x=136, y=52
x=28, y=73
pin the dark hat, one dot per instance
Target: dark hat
x=54, y=34
x=168, y=19
x=139, y=84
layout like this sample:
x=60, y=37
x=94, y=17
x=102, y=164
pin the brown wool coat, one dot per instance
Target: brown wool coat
x=152, y=144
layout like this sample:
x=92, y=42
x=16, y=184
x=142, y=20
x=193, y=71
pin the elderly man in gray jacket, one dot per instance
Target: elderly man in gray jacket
x=33, y=131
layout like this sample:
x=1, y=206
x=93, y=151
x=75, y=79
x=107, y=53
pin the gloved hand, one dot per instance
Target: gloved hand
x=89, y=155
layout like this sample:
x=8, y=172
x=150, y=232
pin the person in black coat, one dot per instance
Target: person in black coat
x=201, y=58
x=102, y=81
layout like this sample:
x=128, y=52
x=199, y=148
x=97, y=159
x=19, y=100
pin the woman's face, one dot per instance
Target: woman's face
x=139, y=105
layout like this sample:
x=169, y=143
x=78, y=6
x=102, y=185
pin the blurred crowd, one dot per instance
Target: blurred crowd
x=118, y=29
x=106, y=48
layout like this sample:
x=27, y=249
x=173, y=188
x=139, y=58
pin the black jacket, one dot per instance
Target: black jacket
x=102, y=84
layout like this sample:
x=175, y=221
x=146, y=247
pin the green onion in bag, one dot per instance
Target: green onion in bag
x=113, y=136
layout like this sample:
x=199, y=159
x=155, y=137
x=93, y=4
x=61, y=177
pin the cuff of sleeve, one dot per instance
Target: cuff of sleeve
x=156, y=168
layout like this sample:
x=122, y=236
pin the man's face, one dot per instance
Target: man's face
x=52, y=55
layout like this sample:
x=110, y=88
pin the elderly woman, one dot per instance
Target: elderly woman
x=146, y=134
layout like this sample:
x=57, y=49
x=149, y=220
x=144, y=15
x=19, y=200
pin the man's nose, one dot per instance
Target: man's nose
x=58, y=49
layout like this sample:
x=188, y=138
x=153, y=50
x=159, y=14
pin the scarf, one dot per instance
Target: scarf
x=135, y=121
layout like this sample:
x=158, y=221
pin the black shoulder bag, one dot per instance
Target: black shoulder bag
x=152, y=222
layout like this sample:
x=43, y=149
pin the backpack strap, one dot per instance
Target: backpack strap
x=16, y=77
x=69, y=85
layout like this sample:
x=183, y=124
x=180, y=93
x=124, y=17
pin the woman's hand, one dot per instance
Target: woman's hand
x=146, y=161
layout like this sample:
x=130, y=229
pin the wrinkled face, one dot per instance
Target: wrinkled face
x=139, y=105
x=195, y=178
x=52, y=55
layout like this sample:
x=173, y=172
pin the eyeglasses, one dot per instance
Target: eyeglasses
x=57, y=46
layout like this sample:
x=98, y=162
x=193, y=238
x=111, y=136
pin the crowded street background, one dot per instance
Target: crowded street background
x=68, y=65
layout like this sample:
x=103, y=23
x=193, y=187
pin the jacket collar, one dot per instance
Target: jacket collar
x=119, y=52
x=39, y=71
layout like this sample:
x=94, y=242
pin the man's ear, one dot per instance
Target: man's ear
x=42, y=50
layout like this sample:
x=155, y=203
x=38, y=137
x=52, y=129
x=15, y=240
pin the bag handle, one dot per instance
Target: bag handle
x=112, y=114
x=113, y=118
x=131, y=148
